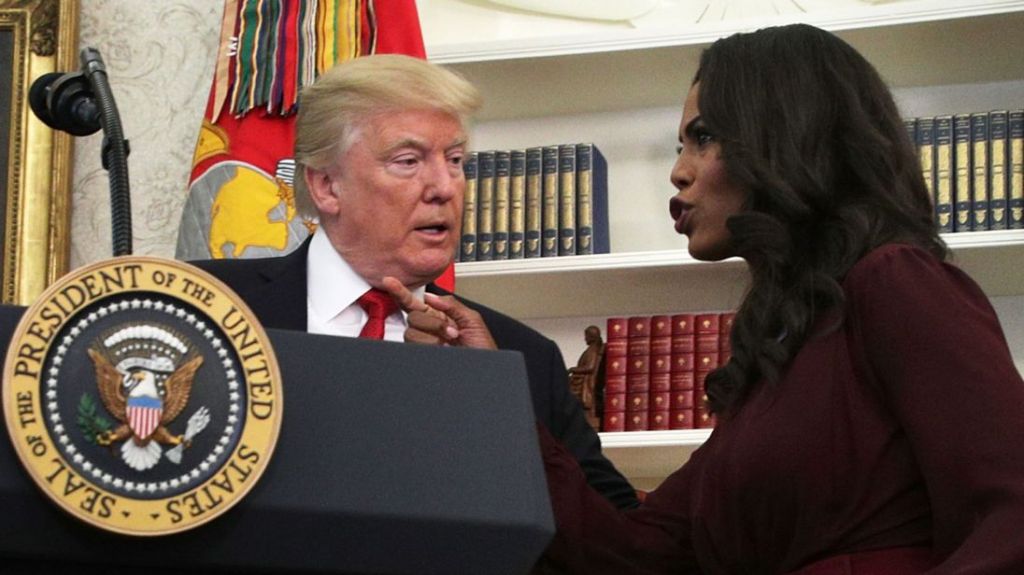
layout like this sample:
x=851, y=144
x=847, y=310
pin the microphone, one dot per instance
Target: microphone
x=65, y=102
x=81, y=103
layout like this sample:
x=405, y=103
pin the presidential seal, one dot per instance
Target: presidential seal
x=142, y=396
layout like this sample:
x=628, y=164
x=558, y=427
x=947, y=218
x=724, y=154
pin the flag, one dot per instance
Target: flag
x=241, y=200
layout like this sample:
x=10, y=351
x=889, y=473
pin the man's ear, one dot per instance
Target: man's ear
x=321, y=190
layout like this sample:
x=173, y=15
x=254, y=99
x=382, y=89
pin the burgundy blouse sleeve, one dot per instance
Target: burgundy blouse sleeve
x=934, y=348
x=595, y=538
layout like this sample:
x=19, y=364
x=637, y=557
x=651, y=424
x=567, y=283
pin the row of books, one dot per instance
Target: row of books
x=973, y=165
x=538, y=202
x=655, y=367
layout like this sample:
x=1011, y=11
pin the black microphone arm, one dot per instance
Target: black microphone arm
x=115, y=151
x=80, y=103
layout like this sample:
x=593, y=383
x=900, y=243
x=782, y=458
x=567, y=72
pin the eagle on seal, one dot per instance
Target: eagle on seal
x=140, y=394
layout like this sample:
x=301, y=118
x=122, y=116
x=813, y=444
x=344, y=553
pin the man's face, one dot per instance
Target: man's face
x=392, y=205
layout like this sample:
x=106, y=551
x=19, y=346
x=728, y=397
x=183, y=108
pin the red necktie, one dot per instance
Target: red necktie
x=378, y=306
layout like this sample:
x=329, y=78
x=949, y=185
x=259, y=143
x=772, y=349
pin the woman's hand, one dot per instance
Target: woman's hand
x=440, y=320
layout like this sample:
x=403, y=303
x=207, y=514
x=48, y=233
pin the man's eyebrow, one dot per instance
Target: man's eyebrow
x=421, y=144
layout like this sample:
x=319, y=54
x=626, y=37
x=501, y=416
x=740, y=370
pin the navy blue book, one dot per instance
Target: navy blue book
x=517, y=205
x=943, y=146
x=962, y=173
x=533, y=203
x=923, y=133
x=485, y=206
x=979, y=172
x=567, y=200
x=502, y=173
x=549, y=201
x=591, y=201
x=997, y=174
x=467, y=251
x=1016, y=168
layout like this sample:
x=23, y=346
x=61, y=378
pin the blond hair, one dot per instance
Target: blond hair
x=332, y=109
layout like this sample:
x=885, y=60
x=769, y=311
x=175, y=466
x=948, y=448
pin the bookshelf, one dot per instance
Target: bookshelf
x=548, y=82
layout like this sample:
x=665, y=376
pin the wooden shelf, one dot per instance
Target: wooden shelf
x=654, y=282
x=647, y=457
x=937, y=43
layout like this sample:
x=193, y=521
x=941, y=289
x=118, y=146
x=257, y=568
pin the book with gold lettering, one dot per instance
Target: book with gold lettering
x=979, y=172
x=923, y=132
x=502, y=172
x=467, y=251
x=997, y=174
x=1015, y=193
x=533, y=203
x=567, y=200
x=591, y=201
x=549, y=201
x=638, y=373
x=517, y=205
x=484, y=205
x=943, y=143
x=962, y=201
x=613, y=417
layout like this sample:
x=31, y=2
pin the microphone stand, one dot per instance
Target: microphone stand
x=114, y=153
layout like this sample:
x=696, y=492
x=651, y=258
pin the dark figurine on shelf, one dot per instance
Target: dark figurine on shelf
x=586, y=380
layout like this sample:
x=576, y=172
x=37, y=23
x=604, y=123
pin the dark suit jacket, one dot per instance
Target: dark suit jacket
x=275, y=290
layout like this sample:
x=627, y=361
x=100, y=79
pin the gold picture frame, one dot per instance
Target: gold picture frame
x=36, y=37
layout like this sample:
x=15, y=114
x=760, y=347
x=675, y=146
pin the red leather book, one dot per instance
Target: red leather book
x=724, y=337
x=707, y=332
x=661, y=335
x=680, y=419
x=682, y=333
x=615, y=375
x=658, y=420
x=702, y=418
x=638, y=372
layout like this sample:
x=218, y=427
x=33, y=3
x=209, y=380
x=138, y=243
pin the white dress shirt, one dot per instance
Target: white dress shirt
x=332, y=288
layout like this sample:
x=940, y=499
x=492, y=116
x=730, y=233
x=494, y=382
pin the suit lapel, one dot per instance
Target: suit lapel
x=279, y=299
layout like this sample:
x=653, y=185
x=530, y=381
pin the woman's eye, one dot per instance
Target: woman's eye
x=704, y=138
x=679, y=149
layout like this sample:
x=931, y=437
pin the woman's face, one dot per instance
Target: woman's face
x=707, y=196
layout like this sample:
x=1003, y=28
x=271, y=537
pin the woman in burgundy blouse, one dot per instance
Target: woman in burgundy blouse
x=870, y=418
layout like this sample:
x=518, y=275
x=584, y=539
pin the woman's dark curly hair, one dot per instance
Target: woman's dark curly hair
x=806, y=125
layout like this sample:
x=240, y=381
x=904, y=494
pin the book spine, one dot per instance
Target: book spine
x=943, y=142
x=549, y=201
x=638, y=373
x=681, y=375
x=517, y=205
x=910, y=124
x=1016, y=169
x=661, y=369
x=467, y=251
x=502, y=191
x=962, y=173
x=584, y=200
x=485, y=206
x=533, y=204
x=924, y=135
x=979, y=171
x=725, y=322
x=591, y=201
x=567, y=200
x=997, y=173
x=613, y=417
x=707, y=359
